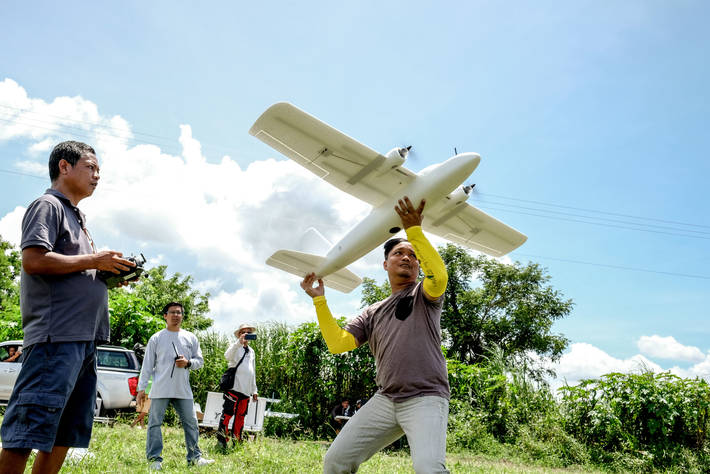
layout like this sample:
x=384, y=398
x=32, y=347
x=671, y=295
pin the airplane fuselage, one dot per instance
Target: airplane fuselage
x=383, y=222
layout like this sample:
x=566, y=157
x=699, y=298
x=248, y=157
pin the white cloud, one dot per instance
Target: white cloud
x=701, y=370
x=669, y=348
x=585, y=361
x=33, y=168
x=42, y=147
x=11, y=226
x=44, y=122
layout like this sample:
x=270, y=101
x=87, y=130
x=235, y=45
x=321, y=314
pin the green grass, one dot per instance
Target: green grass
x=121, y=449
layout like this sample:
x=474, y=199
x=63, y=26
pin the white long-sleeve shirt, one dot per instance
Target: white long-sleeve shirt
x=159, y=361
x=245, y=377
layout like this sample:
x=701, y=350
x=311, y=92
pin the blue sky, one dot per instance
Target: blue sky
x=590, y=118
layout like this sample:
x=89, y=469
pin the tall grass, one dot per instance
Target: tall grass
x=121, y=449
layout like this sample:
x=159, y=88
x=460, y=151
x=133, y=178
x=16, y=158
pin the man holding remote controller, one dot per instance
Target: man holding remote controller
x=64, y=317
x=169, y=356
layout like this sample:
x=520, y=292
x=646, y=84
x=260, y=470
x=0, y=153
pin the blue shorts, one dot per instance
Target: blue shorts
x=54, y=397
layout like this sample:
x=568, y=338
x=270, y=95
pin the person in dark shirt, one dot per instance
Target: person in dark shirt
x=64, y=310
x=341, y=410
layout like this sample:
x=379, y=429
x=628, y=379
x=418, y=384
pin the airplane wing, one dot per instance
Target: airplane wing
x=473, y=228
x=330, y=154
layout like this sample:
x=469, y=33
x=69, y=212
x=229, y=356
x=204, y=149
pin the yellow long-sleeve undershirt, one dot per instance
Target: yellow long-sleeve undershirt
x=336, y=338
x=435, y=275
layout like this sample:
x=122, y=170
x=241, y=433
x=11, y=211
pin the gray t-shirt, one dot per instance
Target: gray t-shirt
x=408, y=352
x=61, y=308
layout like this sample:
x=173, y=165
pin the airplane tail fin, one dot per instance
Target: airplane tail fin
x=313, y=241
x=300, y=264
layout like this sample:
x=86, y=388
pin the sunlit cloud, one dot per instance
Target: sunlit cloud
x=585, y=361
x=668, y=348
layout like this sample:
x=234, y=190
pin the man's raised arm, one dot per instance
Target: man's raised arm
x=435, y=275
x=336, y=338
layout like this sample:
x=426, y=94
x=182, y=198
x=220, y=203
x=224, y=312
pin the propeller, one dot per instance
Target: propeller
x=409, y=154
x=404, y=151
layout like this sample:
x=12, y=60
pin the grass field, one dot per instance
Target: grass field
x=121, y=449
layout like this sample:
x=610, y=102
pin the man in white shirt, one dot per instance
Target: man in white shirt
x=236, y=400
x=169, y=357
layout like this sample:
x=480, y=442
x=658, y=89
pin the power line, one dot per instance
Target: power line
x=81, y=122
x=585, y=219
x=151, y=138
x=600, y=224
x=618, y=267
x=628, y=225
x=43, y=178
x=596, y=211
x=85, y=134
x=113, y=132
x=595, y=217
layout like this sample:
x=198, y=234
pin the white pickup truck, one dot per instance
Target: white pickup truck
x=118, y=371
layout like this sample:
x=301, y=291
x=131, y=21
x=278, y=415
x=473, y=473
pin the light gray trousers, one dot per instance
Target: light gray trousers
x=380, y=422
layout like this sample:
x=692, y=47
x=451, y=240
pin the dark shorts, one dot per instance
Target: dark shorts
x=54, y=397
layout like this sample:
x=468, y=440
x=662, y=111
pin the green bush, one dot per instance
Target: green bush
x=502, y=394
x=547, y=442
x=213, y=345
x=467, y=429
x=657, y=418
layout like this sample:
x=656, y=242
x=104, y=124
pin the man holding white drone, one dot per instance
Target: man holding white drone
x=404, y=334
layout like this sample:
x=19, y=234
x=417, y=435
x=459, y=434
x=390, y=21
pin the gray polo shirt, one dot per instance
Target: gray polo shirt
x=407, y=353
x=61, y=308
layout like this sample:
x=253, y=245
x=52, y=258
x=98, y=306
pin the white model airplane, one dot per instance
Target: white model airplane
x=379, y=180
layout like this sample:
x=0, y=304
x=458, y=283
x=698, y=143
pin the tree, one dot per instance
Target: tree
x=157, y=289
x=10, y=317
x=10, y=265
x=372, y=293
x=131, y=320
x=512, y=309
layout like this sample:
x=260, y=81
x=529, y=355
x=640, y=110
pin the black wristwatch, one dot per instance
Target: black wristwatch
x=189, y=364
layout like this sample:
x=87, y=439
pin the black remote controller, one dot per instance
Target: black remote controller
x=113, y=279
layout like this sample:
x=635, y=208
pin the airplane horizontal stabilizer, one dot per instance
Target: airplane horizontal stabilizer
x=300, y=264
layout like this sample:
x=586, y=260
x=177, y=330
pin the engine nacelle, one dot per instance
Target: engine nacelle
x=459, y=195
x=454, y=203
x=395, y=157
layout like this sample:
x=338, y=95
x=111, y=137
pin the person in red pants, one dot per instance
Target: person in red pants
x=236, y=400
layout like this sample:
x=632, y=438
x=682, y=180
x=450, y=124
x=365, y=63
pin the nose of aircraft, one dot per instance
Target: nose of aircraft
x=466, y=163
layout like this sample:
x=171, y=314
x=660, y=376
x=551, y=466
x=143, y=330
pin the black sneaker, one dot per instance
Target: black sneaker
x=221, y=441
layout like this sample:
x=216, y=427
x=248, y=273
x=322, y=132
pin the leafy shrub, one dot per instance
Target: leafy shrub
x=652, y=416
x=503, y=394
x=467, y=428
x=213, y=345
x=547, y=442
x=130, y=318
